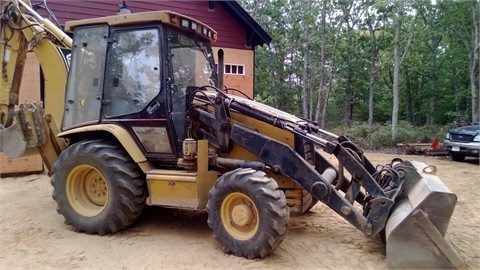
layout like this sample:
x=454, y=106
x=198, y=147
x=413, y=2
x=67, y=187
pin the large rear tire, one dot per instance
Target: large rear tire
x=97, y=187
x=248, y=213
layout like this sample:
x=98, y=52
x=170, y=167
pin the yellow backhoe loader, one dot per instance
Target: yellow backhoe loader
x=145, y=120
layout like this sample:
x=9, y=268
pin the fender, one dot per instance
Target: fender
x=120, y=133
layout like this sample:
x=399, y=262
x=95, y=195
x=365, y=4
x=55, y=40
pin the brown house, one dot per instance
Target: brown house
x=238, y=32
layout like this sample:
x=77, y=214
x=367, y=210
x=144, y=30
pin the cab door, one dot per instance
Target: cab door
x=134, y=91
x=133, y=77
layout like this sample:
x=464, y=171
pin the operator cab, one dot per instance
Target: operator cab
x=135, y=71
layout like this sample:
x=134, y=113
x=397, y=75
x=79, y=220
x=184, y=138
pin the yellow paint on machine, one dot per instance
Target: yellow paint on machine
x=180, y=188
x=172, y=188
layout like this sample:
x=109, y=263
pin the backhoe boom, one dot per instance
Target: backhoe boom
x=23, y=31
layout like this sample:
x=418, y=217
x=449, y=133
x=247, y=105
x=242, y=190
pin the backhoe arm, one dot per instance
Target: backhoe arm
x=22, y=30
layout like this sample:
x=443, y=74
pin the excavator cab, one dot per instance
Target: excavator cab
x=128, y=75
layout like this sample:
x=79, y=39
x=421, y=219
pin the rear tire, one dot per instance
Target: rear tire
x=97, y=187
x=248, y=213
x=458, y=157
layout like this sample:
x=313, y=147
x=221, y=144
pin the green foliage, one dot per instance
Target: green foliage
x=434, y=83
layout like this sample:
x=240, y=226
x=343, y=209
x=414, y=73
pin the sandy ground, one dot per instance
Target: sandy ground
x=33, y=235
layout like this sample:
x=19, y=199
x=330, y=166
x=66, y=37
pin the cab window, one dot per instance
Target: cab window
x=133, y=72
x=85, y=79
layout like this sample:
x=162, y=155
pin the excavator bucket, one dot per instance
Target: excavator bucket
x=415, y=231
x=11, y=141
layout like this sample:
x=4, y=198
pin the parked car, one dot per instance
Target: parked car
x=463, y=142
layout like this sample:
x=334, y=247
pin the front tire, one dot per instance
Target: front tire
x=97, y=187
x=248, y=213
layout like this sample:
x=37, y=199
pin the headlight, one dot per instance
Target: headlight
x=477, y=138
x=447, y=136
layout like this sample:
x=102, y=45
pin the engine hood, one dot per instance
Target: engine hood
x=266, y=110
x=470, y=130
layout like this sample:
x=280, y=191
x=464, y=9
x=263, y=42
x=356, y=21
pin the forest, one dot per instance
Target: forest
x=387, y=68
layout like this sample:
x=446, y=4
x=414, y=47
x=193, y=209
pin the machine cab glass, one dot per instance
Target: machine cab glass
x=133, y=74
x=85, y=79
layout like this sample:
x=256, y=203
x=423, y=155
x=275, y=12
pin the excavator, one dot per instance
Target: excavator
x=135, y=113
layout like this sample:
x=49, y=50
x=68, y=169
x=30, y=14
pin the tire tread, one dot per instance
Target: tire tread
x=273, y=206
x=128, y=184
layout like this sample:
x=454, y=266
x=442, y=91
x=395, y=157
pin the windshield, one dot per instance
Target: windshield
x=191, y=61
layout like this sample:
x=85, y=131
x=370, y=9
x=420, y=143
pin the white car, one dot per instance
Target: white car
x=463, y=142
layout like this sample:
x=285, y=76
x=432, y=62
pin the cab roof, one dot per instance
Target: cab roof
x=161, y=16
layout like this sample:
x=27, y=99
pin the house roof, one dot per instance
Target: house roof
x=256, y=34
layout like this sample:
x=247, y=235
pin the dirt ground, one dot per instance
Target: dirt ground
x=33, y=235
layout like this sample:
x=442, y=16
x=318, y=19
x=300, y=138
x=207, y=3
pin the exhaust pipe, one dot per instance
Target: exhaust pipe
x=221, y=65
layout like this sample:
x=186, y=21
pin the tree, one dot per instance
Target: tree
x=456, y=60
x=398, y=57
x=354, y=16
x=375, y=14
x=474, y=67
x=340, y=61
x=331, y=70
x=323, y=35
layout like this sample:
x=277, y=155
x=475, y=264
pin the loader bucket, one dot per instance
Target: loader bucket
x=415, y=231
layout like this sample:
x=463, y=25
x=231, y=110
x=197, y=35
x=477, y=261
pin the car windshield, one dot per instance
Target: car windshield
x=191, y=61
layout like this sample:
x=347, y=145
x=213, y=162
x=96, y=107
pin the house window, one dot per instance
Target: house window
x=234, y=69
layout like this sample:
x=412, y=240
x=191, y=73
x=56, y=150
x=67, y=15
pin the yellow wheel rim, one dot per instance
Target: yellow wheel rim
x=239, y=216
x=87, y=190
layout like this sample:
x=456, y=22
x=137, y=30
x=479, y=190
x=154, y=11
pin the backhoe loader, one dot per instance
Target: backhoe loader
x=146, y=120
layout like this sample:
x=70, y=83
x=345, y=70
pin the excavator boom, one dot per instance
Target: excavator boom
x=31, y=127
